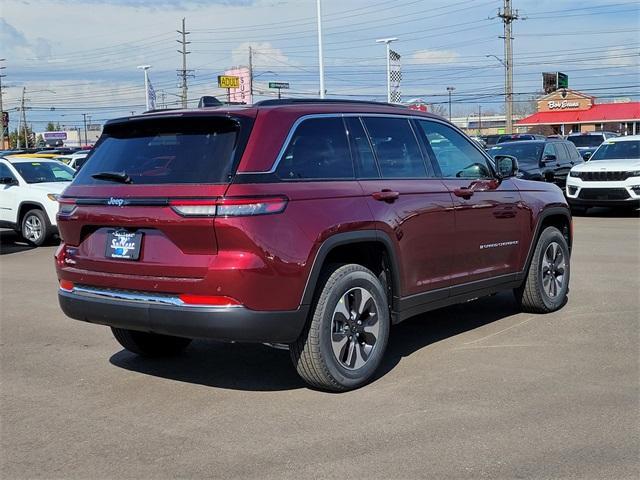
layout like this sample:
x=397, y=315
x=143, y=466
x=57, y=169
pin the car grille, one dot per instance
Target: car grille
x=604, y=176
x=604, y=194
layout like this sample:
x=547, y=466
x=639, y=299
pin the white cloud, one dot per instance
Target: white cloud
x=264, y=55
x=430, y=57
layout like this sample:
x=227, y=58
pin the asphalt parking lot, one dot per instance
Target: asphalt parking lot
x=472, y=391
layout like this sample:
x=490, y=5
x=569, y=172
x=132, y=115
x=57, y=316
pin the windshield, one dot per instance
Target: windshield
x=167, y=150
x=526, y=153
x=588, y=141
x=618, y=151
x=40, y=172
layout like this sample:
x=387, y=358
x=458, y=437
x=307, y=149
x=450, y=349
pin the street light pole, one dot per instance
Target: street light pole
x=146, y=82
x=387, y=42
x=450, y=90
x=320, y=54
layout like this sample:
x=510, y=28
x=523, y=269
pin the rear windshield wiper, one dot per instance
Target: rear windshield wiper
x=120, y=177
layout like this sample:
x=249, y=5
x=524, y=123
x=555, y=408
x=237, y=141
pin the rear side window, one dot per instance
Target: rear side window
x=396, y=147
x=169, y=150
x=563, y=154
x=318, y=149
x=363, y=157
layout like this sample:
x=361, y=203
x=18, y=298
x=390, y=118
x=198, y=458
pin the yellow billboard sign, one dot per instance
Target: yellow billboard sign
x=226, y=81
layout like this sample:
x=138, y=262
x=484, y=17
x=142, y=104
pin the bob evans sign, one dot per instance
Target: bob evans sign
x=553, y=104
x=571, y=101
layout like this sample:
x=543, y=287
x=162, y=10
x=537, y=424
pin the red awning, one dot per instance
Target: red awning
x=603, y=113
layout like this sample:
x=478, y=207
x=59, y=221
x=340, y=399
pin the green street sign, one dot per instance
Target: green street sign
x=278, y=85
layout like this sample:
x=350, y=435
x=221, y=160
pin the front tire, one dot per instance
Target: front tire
x=547, y=284
x=344, y=341
x=150, y=344
x=35, y=227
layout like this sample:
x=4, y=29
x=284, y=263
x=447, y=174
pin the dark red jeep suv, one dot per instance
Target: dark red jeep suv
x=313, y=224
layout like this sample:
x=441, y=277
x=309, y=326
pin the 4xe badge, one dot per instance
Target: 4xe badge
x=123, y=245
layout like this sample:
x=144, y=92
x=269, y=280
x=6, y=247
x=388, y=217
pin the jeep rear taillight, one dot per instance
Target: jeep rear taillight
x=229, y=207
x=66, y=206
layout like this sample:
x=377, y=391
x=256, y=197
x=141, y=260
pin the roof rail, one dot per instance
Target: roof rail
x=295, y=101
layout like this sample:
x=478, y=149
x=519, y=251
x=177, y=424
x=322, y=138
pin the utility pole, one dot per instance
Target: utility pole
x=508, y=16
x=2, y=67
x=184, y=73
x=450, y=90
x=251, y=72
x=24, y=120
x=84, y=120
x=479, y=119
x=320, y=54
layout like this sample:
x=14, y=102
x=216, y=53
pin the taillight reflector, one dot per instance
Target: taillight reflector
x=66, y=285
x=214, y=301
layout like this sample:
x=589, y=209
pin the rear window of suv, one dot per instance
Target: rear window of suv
x=174, y=150
x=586, y=140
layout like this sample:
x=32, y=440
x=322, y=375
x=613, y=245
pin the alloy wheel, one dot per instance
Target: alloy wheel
x=553, y=270
x=354, y=328
x=32, y=228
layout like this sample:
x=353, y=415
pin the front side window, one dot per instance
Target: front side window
x=5, y=172
x=396, y=147
x=454, y=154
x=318, y=149
x=42, y=172
x=549, y=150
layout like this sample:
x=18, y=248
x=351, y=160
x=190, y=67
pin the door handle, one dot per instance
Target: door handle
x=464, y=192
x=386, y=195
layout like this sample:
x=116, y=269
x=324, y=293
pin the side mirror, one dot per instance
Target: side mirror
x=8, y=181
x=506, y=166
x=587, y=156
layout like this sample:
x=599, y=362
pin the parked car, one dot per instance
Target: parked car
x=546, y=160
x=611, y=178
x=311, y=224
x=74, y=160
x=518, y=137
x=490, y=140
x=28, y=191
x=587, y=142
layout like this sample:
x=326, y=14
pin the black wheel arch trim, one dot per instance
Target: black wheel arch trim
x=347, y=238
x=31, y=202
x=544, y=214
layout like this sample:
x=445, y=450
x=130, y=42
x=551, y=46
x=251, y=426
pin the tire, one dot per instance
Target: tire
x=547, y=283
x=150, y=344
x=35, y=227
x=336, y=353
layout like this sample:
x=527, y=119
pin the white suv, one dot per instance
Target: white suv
x=28, y=192
x=611, y=178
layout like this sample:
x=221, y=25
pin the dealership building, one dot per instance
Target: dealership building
x=568, y=111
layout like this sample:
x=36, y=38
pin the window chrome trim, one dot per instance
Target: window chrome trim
x=311, y=116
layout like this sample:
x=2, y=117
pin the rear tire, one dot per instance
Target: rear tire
x=344, y=341
x=547, y=283
x=150, y=344
x=35, y=227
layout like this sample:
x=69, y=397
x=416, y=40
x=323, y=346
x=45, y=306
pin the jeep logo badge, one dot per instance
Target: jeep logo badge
x=119, y=202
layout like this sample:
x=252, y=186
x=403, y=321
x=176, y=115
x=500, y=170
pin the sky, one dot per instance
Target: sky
x=80, y=56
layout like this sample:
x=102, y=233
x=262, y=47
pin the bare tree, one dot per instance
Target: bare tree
x=439, y=109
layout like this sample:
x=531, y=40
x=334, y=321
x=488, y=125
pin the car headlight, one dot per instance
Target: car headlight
x=574, y=174
x=52, y=196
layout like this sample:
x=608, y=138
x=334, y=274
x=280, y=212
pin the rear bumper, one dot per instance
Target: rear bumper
x=219, y=323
